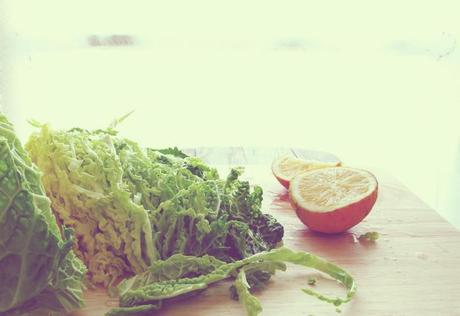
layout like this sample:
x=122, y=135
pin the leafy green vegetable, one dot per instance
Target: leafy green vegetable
x=154, y=287
x=250, y=302
x=257, y=280
x=369, y=236
x=257, y=276
x=311, y=281
x=175, y=267
x=162, y=218
x=83, y=176
x=141, y=310
x=38, y=271
x=130, y=206
x=173, y=151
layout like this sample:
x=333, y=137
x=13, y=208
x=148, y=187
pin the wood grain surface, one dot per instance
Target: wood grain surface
x=413, y=269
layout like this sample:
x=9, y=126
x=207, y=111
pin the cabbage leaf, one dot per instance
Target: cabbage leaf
x=153, y=288
x=131, y=206
x=39, y=273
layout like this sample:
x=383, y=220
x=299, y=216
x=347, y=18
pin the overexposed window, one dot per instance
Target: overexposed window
x=374, y=85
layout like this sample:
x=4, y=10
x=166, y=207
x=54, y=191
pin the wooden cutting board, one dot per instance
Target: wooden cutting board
x=413, y=269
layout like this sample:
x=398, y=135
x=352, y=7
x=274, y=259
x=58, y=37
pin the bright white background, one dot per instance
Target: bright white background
x=375, y=82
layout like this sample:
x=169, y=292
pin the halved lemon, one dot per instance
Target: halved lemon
x=286, y=167
x=332, y=200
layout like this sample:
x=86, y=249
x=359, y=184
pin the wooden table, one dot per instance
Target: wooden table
x=413, y=269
